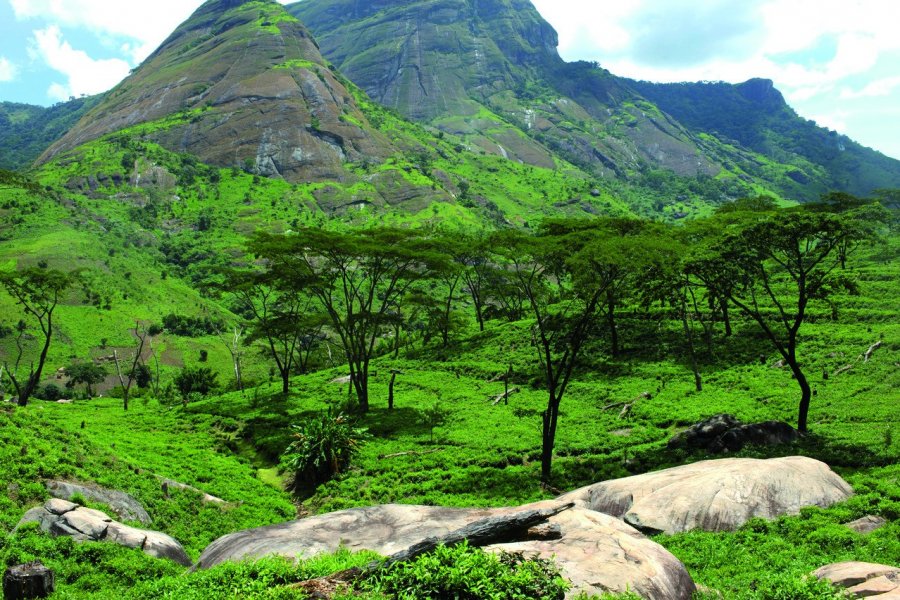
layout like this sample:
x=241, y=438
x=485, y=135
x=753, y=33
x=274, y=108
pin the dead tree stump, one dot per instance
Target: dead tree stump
x=32, y=580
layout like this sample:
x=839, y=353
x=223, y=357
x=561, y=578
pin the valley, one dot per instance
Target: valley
x=328, y=260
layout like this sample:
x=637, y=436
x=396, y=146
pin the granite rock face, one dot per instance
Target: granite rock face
x=240, y=85
x=123, y=505
x=863, y=580
x=60, y=517
x=715, y=495
x=596, y=552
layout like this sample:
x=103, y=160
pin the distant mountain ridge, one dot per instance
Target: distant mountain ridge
x=489, y=70
x=26, y=130
x=756, y=115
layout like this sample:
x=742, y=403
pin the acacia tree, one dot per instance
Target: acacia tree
x=273, y=302
x=782, y=262
x=359, y=280
x=38, y=291
x=555, y=274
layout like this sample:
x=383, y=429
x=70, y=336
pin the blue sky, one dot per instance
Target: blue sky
x=837, y=62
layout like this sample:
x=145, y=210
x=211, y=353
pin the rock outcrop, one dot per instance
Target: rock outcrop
x=726, y=433
x=125, y=506
x=862, y=579
x=59, y=517
x=715, y=495
x=596, y=552
x=240, y=85
x=867, y=524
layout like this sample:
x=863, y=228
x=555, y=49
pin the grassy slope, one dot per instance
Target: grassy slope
x=487, y=455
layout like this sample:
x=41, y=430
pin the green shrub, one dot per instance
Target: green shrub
x=195, y=380
x=322, y=447
x=465, y=573
x=51, y=392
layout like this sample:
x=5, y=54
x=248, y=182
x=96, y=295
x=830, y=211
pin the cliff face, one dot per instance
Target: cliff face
x=754, y=115
x=240, y=83
x=489, y=70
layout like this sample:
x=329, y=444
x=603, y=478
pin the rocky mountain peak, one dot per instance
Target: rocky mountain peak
x=240, y=83
x=761, y=91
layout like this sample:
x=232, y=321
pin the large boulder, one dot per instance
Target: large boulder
x=124, y=505
x=596, y=552
x=60, y=517
x=862, y=579
x=726, y=433
x=715, y=495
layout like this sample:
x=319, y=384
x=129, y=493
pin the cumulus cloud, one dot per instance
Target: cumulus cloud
x=683, y=40
x=822, y=54
x=875, y=89
x=84, y=75
x=144, y=24
x=8, y=70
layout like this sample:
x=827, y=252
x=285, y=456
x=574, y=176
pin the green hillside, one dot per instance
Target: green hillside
x=473, y=276
x=27, y=130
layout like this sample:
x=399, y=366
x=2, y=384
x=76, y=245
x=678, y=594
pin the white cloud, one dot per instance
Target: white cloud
x=144, y=24
x=85, y=75
x=836, y=121
x=877, y=88
x=8, y=70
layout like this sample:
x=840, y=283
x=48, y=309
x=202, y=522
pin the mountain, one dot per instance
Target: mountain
x=755, y=115
x=26, y=130
x=239, y=84
x=489, y=70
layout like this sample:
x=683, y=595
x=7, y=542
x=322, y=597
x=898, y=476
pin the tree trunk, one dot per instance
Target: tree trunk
x=24, y=582
x=725, y=316
x=548, y=438
x=805, y=395
x=360, y=381
x=391, y=391
x=613, y=332
x=689, y=337
x=285, y=382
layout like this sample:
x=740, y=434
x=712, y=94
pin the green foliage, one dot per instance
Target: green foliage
x=322, y=447
x=192, y=326
x=196, y=380
x=27, y=130
x=88, y=373
x=465, y=573
x=266, y=579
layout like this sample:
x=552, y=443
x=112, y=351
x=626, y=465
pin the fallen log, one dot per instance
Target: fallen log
x=871, y=350
x=615, y=405
x=484, y=532
x=844, y=369
x=418, y=452
x=504, y=396
x=509, y=527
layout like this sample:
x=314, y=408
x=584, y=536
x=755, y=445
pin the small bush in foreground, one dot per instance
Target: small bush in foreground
x=465, y=573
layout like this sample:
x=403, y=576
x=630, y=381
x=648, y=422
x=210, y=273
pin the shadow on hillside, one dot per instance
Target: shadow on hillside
x=832, y=452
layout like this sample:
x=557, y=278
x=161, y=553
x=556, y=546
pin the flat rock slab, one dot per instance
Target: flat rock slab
x=59, y=517
x=715, y=495
x=867, y=524
x=123, y=505
x=596, y=552
x=862, y=579
x=168, y=484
